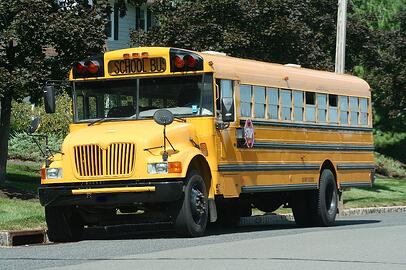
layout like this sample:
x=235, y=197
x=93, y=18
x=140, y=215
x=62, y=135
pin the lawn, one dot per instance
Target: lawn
x=20, y=208
x=385, y=192
x=19, y=205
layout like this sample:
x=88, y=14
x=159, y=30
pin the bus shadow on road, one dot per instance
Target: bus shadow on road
x=160, y=231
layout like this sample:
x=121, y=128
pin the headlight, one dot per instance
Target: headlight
x=53, y=173
x=158, y=168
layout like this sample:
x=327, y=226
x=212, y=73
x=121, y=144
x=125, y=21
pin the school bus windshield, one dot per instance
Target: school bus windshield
x=185, y=96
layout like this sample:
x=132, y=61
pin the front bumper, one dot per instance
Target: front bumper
x=110, y=194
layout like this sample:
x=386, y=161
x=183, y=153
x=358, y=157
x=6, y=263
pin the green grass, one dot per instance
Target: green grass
x=18, y=214
x=385, y=192
x=24, y=176
x=19, y=205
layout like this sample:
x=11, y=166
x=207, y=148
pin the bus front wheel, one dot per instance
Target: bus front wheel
x=192, y=218
x=64, y=225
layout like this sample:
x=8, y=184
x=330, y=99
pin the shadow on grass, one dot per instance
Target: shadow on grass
x=377, y=188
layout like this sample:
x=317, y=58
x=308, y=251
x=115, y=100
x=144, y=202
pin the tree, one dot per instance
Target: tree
x=387, y=76
x=30, y=28
x=281, y=31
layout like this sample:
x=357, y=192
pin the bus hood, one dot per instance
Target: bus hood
x=143, y=133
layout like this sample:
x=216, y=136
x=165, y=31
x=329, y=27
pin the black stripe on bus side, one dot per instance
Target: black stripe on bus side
x=355, y=184
x=274, y=188
x=267, y=167
x=313, y=147
x=355, y=166
x=300, y=125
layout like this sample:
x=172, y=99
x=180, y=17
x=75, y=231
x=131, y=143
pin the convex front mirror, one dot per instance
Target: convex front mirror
x=227, y=109
x=35, y=123
x=163, y=117
x=49, y=98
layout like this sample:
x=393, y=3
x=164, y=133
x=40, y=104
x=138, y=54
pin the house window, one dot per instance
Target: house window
x=322, y=108
x=259, y=100
x=310, y=107
x=363, y=104
x=273, y=103
x=354, y=111
x=333, y=109
x=143, y=18
x=245, y=100
x=109, y=26
x=343, y=110
x=286, y=102
x=298, y=105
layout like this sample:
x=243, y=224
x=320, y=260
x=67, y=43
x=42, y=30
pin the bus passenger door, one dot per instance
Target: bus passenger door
x=229, y=182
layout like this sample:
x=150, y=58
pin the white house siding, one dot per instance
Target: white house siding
x=125, y=24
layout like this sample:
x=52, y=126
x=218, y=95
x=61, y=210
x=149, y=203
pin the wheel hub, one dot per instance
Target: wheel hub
x=197, y=204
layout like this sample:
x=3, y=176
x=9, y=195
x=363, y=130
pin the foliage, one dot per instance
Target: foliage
x=289, y=31
x=22, y=146
x=380, y=12
x=56, y=123
x=391, y=144
x=387, y=77
x=39, y=40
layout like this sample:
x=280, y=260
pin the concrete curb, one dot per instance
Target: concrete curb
x=283, y=218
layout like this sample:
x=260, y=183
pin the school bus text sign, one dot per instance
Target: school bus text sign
x=137, y=66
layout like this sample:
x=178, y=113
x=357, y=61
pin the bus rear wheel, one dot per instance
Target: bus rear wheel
x=192, y=218
x=317, y=208
x=326, y=200
x=64, y=224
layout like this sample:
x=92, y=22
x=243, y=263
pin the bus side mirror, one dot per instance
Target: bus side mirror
x=227, y=109
x=35, y=123
x=49, y=98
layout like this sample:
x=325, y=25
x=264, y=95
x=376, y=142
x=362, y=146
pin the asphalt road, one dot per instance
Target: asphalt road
x=360, y=242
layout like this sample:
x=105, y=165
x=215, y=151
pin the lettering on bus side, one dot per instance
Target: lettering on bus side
x=137, y=66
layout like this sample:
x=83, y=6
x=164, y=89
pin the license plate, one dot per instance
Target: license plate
x=137, y=66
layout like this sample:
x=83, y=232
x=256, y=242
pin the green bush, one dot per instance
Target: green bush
x=392, y=144
x=389, y=167
x=22, y=146
x=55, y=123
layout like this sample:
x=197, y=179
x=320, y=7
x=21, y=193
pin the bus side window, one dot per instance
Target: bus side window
x=259, y=101
x=245, y=100
x=363, y=104
x=310, y=107
x=273, y=102
x=298, y=107
x=354, y=108
x=321, y=108
x=286, y=102
x=343, y=110
x=333, y=109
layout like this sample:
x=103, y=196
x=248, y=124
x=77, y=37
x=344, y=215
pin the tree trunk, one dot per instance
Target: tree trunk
x=5, y=116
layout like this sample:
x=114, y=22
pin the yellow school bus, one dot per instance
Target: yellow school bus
x=171, y=136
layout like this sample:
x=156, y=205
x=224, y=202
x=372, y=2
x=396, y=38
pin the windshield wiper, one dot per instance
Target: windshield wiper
x=101, y=120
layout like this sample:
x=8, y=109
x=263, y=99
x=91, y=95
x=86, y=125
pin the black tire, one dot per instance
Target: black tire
x=64, y=225
x=192, y=218
x=317, y=208
x=326, y=200
x=302, y=208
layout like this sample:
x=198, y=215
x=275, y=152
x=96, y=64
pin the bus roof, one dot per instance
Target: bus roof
x=277, y=75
